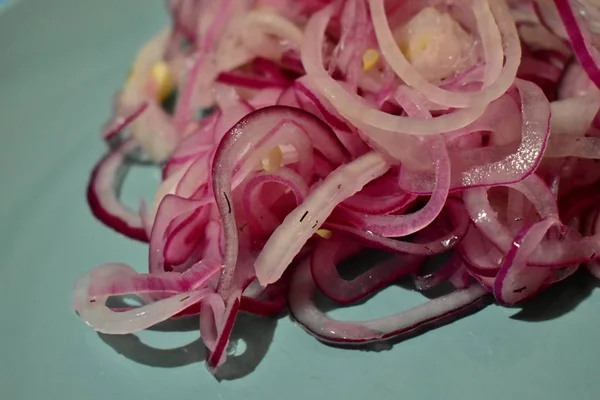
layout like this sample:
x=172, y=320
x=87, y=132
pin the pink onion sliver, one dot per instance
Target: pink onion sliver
x=212, y=313
x=378, y=204
x=411, y=321
x=184, y=111
x=249, y=81
x=461, y=279
x=184, y=14
x=155, y=133
x=217, y=356
x=303, y=222
x=102, y=194
x=120, y=279
x=261, y=213
x=516, y=281
x=102, y=319
x=186, y=236
x=305, y=93
x=326, y=277
x=575, y=82
x=485, y=218
x=411, y=102
x=439, y=245
x=555, y=253
x=588, y=56
x=548, y=16
x=199, y=142
x=93, y=310
x=288, y=98
x=381, y=196
x=403, y=225
x=145, y=217
x=574, y=116
x=285, y=177
x=121, y=121
x=195, y=176
x=514, y=167
x=572, y=146
x=481, y=255
x=266, y=97
x=170, y=208
x=168, y=186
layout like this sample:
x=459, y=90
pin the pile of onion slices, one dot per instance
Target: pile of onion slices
x=293, y=135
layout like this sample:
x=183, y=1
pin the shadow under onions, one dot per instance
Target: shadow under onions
x=559, y=299
x=131, y=347
x=256, y=334
x=250, y=341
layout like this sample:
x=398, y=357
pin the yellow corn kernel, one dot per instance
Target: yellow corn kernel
x=324, y=233
x=164, y=79
x=370, y=59
x=417, y=45
x=272, y=162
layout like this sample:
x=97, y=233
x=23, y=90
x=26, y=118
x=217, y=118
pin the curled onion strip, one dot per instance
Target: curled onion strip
x=102, y=193
x=303, y=222
x=436, y=312
x=353, y=108
x=89, y=300
x=403, y=225
x=497, y=80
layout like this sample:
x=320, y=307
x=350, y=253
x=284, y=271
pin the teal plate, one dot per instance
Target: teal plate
x=60, y=62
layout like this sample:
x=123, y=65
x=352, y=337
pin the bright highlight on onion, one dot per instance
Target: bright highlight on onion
x=293, y=135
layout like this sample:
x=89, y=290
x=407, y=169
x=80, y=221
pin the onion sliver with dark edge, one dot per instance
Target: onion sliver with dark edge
x=514, y=167
x=89, y=300
x=404, y=225
x=517, y=281
x=587, y=54
x=326, y=277
x=103, y=193
x=432, y=313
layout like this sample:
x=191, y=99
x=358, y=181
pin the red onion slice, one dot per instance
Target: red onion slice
x=549, y=17
x=326, y=255
x=103, y=189
x=587, y=54
x=116, y=279
x=218, y=355
x=170, y=208
x=403, y=225
x=121, y=120
x=516, y=281
x=432, y=313
x=439, y=245
x=515, y=167
x=304, y=221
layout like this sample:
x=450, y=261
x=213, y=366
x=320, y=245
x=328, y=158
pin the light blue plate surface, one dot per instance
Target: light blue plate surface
x=60, y=62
